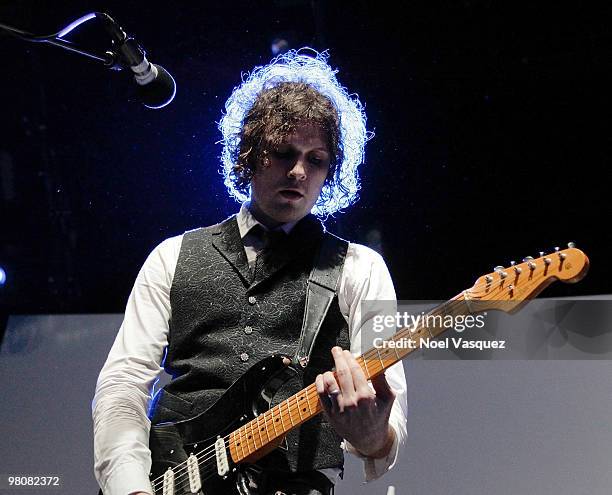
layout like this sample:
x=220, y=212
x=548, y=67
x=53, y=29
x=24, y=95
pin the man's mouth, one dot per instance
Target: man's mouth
x=290, y=194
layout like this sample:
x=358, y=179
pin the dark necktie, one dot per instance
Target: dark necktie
x=268, y=238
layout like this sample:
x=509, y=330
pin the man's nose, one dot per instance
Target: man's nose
x=298, y=171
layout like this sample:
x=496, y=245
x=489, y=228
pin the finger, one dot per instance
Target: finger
x=359, y=379
x=344, y=378
x=332, y=391
x=326, y=402
x=319, y=384
x=382, y=388
x=330, y=385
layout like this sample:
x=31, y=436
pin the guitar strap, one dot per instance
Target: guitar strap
x=323, y=283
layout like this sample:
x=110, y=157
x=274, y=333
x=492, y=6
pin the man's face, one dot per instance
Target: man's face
x=287, y=184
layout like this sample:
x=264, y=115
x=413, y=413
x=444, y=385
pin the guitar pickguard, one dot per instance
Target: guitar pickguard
x=172, y=444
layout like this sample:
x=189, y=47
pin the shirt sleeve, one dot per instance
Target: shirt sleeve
x=122, y=459
x=365, y=277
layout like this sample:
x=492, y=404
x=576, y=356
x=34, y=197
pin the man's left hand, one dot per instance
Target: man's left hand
x=359, y=414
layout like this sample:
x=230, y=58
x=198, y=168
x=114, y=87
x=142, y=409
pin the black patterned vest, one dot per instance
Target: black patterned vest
x=226, y=318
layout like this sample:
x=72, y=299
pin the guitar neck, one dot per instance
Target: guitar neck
x=304, y=405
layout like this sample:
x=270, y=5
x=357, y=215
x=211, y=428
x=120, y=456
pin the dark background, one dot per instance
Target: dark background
x=491, y=122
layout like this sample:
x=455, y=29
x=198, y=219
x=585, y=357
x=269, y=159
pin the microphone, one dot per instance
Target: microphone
x=156, y=87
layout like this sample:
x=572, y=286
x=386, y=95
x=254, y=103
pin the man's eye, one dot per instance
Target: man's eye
x=319, y=161
x=283, y=155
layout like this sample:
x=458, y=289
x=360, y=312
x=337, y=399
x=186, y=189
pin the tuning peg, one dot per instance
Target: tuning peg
x=541, y=253
x=571, y=244
x=530, y=263
x=556, y=248
x=500, y=269
x=512, y=263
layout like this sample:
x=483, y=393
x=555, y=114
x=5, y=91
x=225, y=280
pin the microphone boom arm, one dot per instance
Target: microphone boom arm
x=156, y=87
x=109, y=58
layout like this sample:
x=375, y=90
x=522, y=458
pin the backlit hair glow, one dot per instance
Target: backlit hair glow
x=309, y=67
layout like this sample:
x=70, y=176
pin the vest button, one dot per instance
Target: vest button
x=244, y=357
x=248, y=330
x=252, y=300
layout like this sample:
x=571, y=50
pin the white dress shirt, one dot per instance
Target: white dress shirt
x=122, y=460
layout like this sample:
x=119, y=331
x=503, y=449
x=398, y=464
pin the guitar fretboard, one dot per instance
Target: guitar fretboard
x=292, y=412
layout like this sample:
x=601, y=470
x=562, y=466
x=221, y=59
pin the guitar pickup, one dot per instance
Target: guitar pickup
x=193, y=471
x=221, y=455
x=168, y=486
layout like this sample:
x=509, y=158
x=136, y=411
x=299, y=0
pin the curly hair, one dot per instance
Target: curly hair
x=294, y=88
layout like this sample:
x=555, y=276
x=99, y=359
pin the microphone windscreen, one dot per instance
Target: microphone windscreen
x=159, y=92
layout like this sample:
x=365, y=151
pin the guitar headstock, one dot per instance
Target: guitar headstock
x=507, y=289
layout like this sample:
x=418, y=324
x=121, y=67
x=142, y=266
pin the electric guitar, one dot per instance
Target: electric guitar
x=210, y=449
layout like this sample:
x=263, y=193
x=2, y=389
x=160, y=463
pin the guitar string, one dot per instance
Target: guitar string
x=452, y=303
x=201, y=456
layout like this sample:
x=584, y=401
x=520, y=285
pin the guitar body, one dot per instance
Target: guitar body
x=171, y=444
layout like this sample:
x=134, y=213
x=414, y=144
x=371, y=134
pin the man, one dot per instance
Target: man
x=218, y=299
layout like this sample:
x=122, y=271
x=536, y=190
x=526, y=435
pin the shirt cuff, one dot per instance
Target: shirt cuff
x=127, y=478
x=375, y=468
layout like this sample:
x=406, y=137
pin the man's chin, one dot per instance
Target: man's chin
x=290, y=212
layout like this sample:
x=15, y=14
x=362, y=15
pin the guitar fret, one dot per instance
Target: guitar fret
x=365, y=366
x=261, y=440
x=289, y=412
x=397, y=354
x=261, y=429
x=273, y=421
x=308, y=402
x=245, y=440
x=256, y=425
x=299, y=407
x=250, y=424
x=280, y=412
x=265, y=424
x=380, y=359
x=241, y=441
x=255, y=429
x=429, y=331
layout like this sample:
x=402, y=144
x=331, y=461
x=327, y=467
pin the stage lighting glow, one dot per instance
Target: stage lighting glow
x=75, y=24
x=2, y=276
x=308, y=66
x=278, y=46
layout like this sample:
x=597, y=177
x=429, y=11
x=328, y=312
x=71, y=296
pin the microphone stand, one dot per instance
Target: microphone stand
x=156, y=87
x=111, y=58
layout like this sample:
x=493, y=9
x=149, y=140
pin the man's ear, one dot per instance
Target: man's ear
x=265, y=162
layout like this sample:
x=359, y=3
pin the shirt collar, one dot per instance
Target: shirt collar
x=246, y=221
